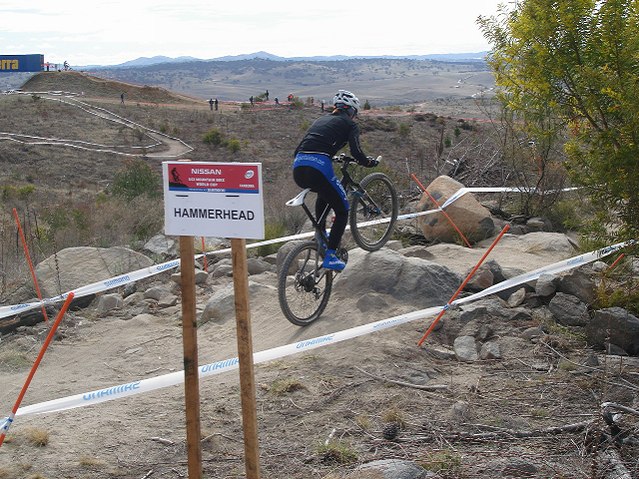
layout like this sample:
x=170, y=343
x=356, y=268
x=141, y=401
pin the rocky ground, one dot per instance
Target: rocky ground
x=529, y=407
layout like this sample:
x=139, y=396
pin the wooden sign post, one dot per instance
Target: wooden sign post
x=245, y=356
x=191, y=370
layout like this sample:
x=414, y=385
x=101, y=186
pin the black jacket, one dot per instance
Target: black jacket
x=330, y=133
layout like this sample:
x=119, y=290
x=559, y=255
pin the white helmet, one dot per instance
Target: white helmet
x=344, y=99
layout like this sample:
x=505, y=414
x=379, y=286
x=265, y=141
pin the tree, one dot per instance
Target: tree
x=576, y=63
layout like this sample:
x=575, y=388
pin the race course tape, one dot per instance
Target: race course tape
x=124, y=279
x=171, y=379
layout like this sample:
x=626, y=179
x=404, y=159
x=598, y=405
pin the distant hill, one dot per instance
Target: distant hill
x=91, y=86
x=382, y=81
x=146, y=61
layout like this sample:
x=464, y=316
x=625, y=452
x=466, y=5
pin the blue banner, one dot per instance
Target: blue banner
x=21, y=63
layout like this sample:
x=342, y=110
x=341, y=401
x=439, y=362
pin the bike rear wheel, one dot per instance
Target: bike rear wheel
x=303, y=286
x=375, y=203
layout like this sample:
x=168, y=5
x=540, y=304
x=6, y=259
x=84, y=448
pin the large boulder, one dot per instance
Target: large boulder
x=72, y=268
x=411, y=280
x=614, y=326
x=470, y=217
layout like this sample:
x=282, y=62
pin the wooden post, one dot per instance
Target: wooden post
x=245, y=356
x=191, y=373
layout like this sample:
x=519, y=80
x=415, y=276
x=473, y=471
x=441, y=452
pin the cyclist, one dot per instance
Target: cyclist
x=313, y=168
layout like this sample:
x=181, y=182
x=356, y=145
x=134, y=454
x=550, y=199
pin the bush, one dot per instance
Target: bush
x=135, y=179
x=213, y=137
x=234, y=145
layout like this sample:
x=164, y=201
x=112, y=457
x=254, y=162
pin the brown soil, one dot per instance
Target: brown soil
x=319, y=414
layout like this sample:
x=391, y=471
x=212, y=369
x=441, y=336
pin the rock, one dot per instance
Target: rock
x=519, y=468
x=482, y=279
x=465, y=348
x=538, y=224
x=201, y=276
x=413, y=281
x=440, y=352
x=221, y=306
x=371, y=302
x=161, y=245
x=514, y=254
x=517, y=298
x=223, y=268
x=258, y=266
x=156, y=293
x=109, y=302
x=546, y=285
x=577, y=283
x=490, y=350
x=460, y=412
x=72, y=268
x=468, y=215
x=616, y=326
x=569, y=310
x=417, y=251
x=391, y=469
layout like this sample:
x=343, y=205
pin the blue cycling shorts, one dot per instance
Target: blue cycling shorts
x=324, y=165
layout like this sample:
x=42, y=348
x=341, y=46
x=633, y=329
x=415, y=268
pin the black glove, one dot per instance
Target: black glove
x=372, y=162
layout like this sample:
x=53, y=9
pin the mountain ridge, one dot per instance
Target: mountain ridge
x=159, y=59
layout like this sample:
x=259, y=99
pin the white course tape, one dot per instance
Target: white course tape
x=122, y=280
x=93, y=288
x=150, y=384
x=555, y=268
x=6, y=424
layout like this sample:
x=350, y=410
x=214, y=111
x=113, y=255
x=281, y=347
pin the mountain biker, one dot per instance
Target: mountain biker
x=312, y=167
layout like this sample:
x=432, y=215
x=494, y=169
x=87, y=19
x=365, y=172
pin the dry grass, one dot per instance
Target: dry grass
x=14, y=359
x=36, y=436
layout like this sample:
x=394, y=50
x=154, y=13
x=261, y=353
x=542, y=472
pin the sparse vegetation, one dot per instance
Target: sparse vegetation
x=285, y=386
x=135, y=179
x=90, y=462
x=445, y=462
x=337, y=452
x=14, y=359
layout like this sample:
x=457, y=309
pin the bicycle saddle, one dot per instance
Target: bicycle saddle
x=299, y=199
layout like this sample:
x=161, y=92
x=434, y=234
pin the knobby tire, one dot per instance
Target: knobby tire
x=302, y=297
x=375, y=199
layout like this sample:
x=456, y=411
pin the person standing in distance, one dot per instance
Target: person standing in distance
x=313, y=168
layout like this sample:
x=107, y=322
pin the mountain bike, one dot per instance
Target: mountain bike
x=304, y=286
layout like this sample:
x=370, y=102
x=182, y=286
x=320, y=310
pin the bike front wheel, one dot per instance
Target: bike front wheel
x=303, y=286
x=373, y=211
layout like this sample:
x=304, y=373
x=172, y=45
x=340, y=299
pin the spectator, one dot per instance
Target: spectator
x=211, y=102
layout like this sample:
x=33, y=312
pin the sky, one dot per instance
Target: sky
x=101, y=32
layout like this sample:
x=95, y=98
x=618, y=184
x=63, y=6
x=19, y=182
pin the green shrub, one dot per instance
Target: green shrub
x=404, y=130
x=213, y=137
x=135, y=179
x=234, y=145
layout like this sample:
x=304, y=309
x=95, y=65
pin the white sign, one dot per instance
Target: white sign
x=219, y=200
